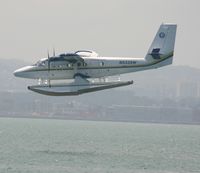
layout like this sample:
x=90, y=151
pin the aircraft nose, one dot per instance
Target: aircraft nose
x=18, y=72
x=22, y=72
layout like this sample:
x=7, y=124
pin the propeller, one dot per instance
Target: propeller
x=48, y=61
x=54, y=52
x=49, y=65
x=48, y=68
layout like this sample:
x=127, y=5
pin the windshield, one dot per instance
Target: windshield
x=40, y=63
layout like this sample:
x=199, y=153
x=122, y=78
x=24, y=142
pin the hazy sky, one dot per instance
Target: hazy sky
x=110, y=27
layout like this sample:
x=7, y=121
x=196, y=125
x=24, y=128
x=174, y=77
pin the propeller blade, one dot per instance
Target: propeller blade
x=49, y=69
x=48, y=61
x=54, y=52
x=48, y=55
x=49, y=82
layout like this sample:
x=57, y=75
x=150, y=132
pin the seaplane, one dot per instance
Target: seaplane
x=85, y=71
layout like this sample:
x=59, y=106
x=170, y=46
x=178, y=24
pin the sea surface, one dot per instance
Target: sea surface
x=63, y=146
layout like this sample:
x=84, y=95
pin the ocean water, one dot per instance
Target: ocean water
x=49, y=146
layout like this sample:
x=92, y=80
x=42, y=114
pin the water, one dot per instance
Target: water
x=49, y=146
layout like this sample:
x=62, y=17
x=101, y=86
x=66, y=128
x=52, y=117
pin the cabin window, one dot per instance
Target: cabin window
x=79, y=64
x=102, y=63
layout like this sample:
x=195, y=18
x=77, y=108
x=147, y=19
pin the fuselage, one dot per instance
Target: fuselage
x=91, y=67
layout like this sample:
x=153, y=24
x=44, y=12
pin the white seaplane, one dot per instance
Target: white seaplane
x=84, y=65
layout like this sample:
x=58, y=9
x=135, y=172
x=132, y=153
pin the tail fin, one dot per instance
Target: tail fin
x=161, y=50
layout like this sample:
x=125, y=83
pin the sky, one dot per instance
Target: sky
x=29, y=28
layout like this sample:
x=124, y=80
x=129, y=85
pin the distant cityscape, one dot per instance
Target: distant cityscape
x=168, y=95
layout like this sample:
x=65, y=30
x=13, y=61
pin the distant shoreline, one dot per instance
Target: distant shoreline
x=98, y=120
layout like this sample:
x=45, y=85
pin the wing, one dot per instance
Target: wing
x=74, y=59
x=70, y=57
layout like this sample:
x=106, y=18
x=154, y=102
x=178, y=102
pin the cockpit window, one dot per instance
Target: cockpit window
x=40, y=63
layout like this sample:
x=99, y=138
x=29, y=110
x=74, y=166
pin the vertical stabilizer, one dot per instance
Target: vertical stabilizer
x=161, y=50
